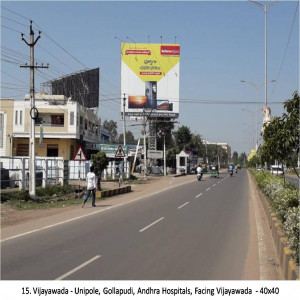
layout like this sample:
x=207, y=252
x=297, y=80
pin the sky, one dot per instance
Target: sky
x=222, y=43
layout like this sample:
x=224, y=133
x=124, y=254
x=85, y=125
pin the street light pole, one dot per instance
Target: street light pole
x=252, y=124
x=257, y=87
x=165, y=165
x=265, y=7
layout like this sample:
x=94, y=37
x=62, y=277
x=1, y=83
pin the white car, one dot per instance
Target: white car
x=276, y=170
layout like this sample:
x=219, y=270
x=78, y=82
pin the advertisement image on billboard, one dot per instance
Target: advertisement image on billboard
x=150, y=79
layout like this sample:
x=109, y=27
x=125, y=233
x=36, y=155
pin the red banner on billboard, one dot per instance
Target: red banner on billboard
x=170, y=50
x=138, y=51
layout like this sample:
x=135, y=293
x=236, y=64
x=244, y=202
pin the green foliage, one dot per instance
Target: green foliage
x=100, y=163
x=281, y=136
x=183, y=137
x=253, y=161
x=285, y=201
x=164, y=128
x=129, y=138
x=235, y=158
x=112, y=127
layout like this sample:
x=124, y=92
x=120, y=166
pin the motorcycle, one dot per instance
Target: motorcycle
x=199, y=176
x=231, y=172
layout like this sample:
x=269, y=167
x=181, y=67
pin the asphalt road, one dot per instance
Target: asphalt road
x=293, y=180
x=199, y=230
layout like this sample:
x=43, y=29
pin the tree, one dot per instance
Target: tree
x=253, y=161
x=129, y=138
x=100, y=163
x=281, y=136
x=164, y=129
x=183, y=137
x=243, y=159
x=112, y=127
x=235, y=158
x=196, y=144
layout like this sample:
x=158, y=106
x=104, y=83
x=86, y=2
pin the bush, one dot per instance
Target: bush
x=284, y=198
x=291, y=229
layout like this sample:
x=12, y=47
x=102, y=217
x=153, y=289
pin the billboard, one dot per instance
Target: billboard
x=83, y=87
x=150, y=79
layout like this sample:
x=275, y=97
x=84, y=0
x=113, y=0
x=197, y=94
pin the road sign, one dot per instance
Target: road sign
x=158, y=154
x=79, y=156
x=111, y=150
x=120, y=152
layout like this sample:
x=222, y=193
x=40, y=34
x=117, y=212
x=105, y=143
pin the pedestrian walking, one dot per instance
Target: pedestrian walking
x=90, y=186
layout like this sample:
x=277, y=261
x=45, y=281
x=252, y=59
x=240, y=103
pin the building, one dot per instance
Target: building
x=61, y=126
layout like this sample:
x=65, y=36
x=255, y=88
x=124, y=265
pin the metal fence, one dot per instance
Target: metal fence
x=52, y=171
x=15, y=171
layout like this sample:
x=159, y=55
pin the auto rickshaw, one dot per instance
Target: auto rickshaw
x=214, y=171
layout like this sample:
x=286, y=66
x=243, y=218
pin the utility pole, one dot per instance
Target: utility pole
x=124, y=132
x=145, y=147
x=33, y=110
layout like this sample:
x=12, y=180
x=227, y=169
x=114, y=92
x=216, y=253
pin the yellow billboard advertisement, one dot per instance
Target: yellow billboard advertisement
x=150, y=79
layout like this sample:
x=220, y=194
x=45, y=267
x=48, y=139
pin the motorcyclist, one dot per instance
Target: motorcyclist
x=199, y=170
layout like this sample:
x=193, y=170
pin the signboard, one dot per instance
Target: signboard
x=79, y=156
x=120, y=152
x=157, y=154
x=111, y=150
x=150, y=79
x=266, y=116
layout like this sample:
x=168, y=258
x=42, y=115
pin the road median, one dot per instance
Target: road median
x=288, y=265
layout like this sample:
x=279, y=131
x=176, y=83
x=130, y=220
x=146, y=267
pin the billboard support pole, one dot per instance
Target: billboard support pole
x=136, y=151
x=124, y=133
x=145, y=147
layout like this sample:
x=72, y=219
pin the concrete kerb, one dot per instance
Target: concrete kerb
x=113, y=192
x=288, y=265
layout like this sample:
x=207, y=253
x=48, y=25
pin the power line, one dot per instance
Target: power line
x=13, y=21
x=14, y=13
x=286, y=48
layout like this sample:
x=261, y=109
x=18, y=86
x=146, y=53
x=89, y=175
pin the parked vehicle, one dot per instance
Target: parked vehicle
x=277, y=170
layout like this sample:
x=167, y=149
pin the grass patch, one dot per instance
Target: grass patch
x=49, y=197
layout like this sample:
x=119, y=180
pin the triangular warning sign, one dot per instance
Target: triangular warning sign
x=120, y=152
x=80, y=154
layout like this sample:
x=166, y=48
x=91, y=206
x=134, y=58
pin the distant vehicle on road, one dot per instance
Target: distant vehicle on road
x=277, y=170
x=214, y=171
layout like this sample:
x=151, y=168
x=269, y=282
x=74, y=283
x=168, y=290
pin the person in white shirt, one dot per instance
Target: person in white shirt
x=90, y=186
x=199, y=170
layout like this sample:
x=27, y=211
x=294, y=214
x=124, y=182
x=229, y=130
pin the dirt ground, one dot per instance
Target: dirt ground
x=10, y=215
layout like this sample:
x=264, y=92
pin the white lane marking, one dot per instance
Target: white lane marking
x=150, y=225
x=208, y=189
x=214, y=185
x=78, y=268
x=183, y=205
x=218, y=181
x=198, y=195
x=90, y=214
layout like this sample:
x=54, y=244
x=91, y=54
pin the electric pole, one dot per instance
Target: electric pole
x=124, y=133
x=145, y=147
x=33, y=111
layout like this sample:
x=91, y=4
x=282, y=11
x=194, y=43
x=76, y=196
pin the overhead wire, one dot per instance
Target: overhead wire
x=286, y=48
x=59, y=72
